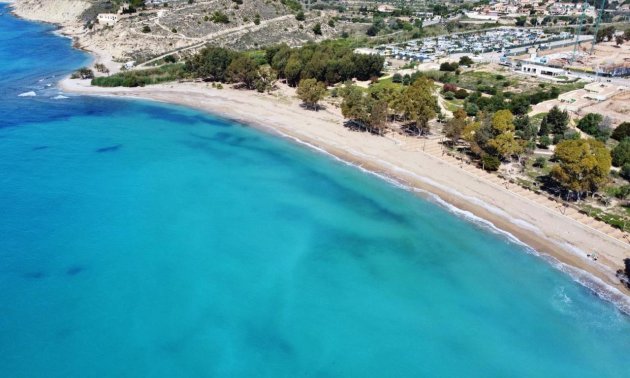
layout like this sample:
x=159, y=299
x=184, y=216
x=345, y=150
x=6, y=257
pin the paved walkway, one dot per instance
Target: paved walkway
x=432, y=146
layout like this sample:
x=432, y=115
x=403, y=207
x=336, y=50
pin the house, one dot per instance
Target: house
x=109, y=19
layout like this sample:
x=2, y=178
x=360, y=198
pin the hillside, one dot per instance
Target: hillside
x=157, y=30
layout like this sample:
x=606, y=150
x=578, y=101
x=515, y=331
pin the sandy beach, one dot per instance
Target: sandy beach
x=562, y=240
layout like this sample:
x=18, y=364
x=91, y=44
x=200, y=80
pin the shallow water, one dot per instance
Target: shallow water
x=147, y=240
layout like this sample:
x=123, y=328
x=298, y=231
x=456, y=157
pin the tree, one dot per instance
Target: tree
x=210, y=63
x=506, y=145
x=557, y=120
x=545, y=129
x=243, y=69
x=449, y=67
x=503, y=140
x=465, y=61
x=378, y=116
x=454, y=128
x=490, y=163
x=300, y=16
x=521, y=20
x=311, y=91
x=417, y=103
x=317, y=29
x=519, y=105
x=590, y=123
x=397, y=78
x=583, y=165
x=502, y=122
x=83, y=73
x=621, y=132
x=607, y=33
x=621, y=153
x=353, y=106
x=619, y=40
x=525, y=129
x=266, y=79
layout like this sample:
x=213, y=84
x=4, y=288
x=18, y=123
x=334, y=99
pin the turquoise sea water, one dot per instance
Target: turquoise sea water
x=141, y=240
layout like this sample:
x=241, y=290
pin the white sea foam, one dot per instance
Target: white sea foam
x=586, y=279
x=59, y=97
x=28, y=94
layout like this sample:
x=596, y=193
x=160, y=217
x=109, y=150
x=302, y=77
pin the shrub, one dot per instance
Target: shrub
x=544, y=141
x=146, y=29
x=621, y=153
x=461, y=94
x=540, y=162
x=465, y=61
x=83, y=73
x=449, y=88
x=220, y=18
x=625, y=171
x=449, y=67
x=491, y=163
x=397, y=78
x=622, y=131
x=317, y=29
x=300, y=16
x=449, y=95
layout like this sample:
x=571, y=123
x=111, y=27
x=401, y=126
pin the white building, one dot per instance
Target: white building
x=543, y=71
x=107, y=19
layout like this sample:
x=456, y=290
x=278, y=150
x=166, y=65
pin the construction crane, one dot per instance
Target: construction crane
x=578, y=30
x=599, y=20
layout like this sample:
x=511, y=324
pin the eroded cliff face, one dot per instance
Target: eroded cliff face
x=63, y=12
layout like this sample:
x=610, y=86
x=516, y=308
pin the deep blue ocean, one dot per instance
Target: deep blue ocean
x=143, y=240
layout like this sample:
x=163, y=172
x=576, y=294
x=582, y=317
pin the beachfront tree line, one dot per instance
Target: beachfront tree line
x=373, y=109
x=329, y=62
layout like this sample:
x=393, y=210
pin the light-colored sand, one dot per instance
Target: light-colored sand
x=415, y=162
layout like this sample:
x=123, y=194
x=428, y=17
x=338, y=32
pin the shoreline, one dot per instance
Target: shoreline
x=563, y=243
x=560, y=240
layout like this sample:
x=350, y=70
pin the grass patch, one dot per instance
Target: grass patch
x=617, y=221
x=453, y=105
x=536, y=119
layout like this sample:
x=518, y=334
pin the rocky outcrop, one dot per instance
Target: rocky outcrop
x=63, y=12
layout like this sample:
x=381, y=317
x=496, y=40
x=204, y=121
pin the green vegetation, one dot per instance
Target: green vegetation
x=583, y=165
x=83, y=73
x=412, y=106
x=140, y=78
x=596, y=126
x=615, y=220
x=330, y=62
x=311, y=92
x=293, y=5
x=219, y=18
x=317, y=29
x=622, y=131
x=621, y=153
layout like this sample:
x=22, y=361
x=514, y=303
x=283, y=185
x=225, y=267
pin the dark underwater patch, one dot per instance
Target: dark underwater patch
x=34, y=275
x=39, y=148
x=109, y=148
x=74, y=270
